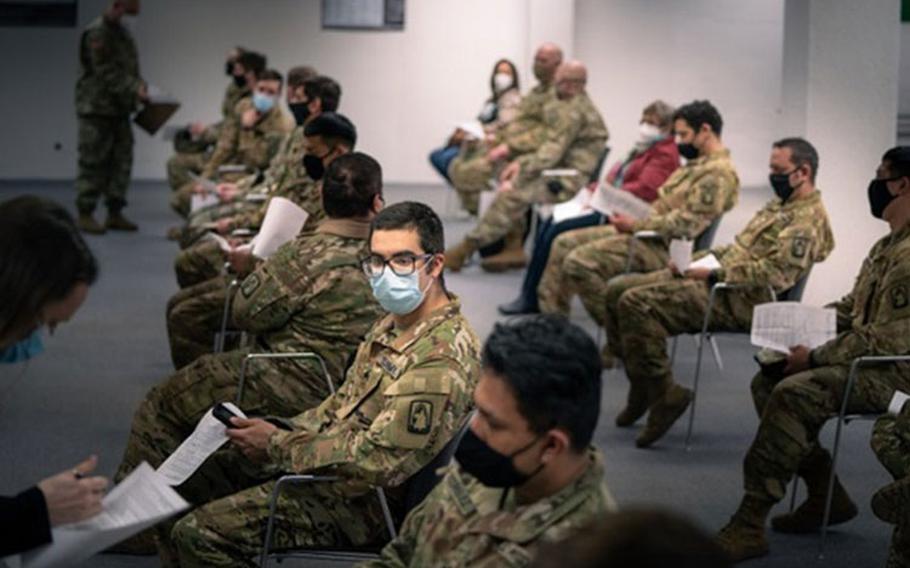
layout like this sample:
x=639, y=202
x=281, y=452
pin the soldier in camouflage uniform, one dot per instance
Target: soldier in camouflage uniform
x=108, y=89
x=891, y=503
x=777, y=248
x=250, y=138
x=478, y=161
x=692, y=198
x=538, y=400
x=575, y=139
x=406, y=395
x=873, y=319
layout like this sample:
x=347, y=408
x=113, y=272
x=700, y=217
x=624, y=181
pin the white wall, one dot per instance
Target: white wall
x=727, y=52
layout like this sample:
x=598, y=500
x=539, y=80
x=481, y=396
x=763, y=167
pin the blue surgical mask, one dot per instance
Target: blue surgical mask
x=263, y=103
x=23, y=350
x=399, y=295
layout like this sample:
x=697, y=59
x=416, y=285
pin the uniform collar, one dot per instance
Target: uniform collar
x=349, y=228
x=723, y=154
x=389, y=336
x=810, y=200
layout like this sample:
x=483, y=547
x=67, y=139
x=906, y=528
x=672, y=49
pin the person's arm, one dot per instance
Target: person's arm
x=24, y=522
x=268, y=298
x=563, y=125
x=794, y=251
x=227, y=142
x=705, y=202
x=653, y=174
x=122, y=86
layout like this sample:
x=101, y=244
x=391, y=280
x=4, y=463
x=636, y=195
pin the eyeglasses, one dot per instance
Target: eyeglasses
x=401, y=264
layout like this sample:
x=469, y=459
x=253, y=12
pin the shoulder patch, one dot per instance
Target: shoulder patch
x=420, y=417
x=899, y=297
x=250, y=284
x=799, y=246
x=708, y=191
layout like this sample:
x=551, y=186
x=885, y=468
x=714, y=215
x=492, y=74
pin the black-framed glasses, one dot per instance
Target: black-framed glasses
x=400, y=264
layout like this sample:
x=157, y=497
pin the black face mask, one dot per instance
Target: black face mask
x=301, y=112
x=780, y=183
x=240, y=81
x=490, y=467
x=879, y=196
x=687, y=151
x=314, y=166
x=228, y=68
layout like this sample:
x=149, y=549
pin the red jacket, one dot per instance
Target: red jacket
x=649, y=170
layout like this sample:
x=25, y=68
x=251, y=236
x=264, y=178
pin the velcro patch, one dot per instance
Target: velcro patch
x=420, y=417
x=708, y=189
x=250, y=284
x=799, y=246
x=899, y=298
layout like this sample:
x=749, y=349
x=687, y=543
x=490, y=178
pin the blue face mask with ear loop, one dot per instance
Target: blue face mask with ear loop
x=263, y=103
x=23, y=350
x=396, y=294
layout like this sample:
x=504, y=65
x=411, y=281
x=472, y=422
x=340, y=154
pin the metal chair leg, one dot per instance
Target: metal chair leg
x=386, y=513
x=794, y=489
x=716, y=351
x=225, y=316
x=673, y=349
x=701, y=347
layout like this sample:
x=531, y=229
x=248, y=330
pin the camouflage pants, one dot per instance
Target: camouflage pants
x=509, y=210
x=199, y=263
x=793, y=411
x=171, y=410
x=181, y=165
x=552, y=295
x=891, y=444
x=230, y=530
x=194, y=316
x=105, y=161
x=181, y=199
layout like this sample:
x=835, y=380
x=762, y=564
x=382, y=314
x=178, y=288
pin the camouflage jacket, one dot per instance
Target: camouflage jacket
x=464, y=523
x=288, y=157
x=232, y=95
x=108, y=82
x=525, y=132
x=312, y=295
x=779, y=245
x=406, y=395
x=575, y=136
x=693, y=197
x=252, y=147
x=874, y=318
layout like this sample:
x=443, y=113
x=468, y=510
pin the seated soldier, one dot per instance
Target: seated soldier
x=873, y=319
x=193, y=144
x=777, y=248
x=194, y=314
x=527, y=472
x=406, y=395
x=641, y=173
x=289, y=179
x=249, y=139
x=891, y=503
x=691, y=199
x=311, y=296
x=575, y=139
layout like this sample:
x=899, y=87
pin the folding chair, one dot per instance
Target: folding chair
x=294, y=355
x=416, y=490
x=222, y=333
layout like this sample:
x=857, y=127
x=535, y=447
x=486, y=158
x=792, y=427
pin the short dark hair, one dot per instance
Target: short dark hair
x=898, y=159
x=297, y=76
x=417, y=216
x=553, y=368
x=644, y=538
x=697, y=113
x=43, y=257
x=334, y=128
x=252, y=61
x=325, y=89
x=801, y=152
x=270, y=75
x=350, y=186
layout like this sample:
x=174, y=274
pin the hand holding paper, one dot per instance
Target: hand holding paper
x=782, y=325
x=681, y=254
x=283, y=220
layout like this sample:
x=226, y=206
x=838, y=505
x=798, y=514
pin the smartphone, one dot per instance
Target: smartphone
x=224, y=414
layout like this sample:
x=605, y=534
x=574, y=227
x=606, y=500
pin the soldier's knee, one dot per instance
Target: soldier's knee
x=186, y=536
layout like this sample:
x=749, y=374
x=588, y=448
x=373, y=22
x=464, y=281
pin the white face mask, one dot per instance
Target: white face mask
x=648, y=133
x=502, y=81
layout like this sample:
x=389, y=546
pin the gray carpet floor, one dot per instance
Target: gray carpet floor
x=79, y=398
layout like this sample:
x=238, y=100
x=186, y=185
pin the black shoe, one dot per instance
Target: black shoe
x=517, y=307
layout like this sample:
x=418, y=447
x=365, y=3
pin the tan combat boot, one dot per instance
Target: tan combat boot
x=807, y=518
x=636, y=406
x=87, y=224
x=117, y=222
x=458, y=256
x=663, y=414
x=744, y=536
x=511, y=257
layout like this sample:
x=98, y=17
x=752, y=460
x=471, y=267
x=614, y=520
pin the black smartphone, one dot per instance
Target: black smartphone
x=224, y=414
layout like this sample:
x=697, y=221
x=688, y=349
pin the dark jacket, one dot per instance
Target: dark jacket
x=24, y=523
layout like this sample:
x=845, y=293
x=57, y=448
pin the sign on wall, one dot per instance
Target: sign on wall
x=38, y=13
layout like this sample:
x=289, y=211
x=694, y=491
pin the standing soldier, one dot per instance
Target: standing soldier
x=108, y=90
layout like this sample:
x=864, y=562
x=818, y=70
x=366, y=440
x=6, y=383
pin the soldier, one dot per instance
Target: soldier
x=891, y=503
x=692, y=198
x=194, y=314
x=108, y=89
x=419, y=361
x=873, y=319
x=576, y=135
x=250, y=138
x=192, y=145
x=527, y=472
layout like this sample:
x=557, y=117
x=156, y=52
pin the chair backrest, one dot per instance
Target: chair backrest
x=598, y=169
x=795, y=294
x=706, y=238
x=422, y=482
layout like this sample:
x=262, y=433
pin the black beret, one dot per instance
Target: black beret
x=333, y=125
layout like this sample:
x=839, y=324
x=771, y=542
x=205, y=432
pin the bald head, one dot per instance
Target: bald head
x=546, y=60
x=119, y=8
x=571, y=78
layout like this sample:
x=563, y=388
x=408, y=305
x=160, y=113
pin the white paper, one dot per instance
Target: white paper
x=138, y=502
x=473, y=129
x=222, y=242
x=782, y=325
x=209, y=435
x=202, y=200
x=681, y=253
x=897, y=402
x=559, y=172
x=283, y=220
x=256, y=197
x=486, y=199
x=159, y=96
x=231, y=169
x=708, y=261
x=575, y=207
x=609, y=201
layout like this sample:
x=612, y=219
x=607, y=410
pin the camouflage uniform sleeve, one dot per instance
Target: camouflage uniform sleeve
x=844, y=308
x=705, y=202
x=420, y=413
x=227, y=143
x=272, y=293
x=887, y=331
x=120, y=84
x=791, y=257
x=508, y=107
x=563, y=125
